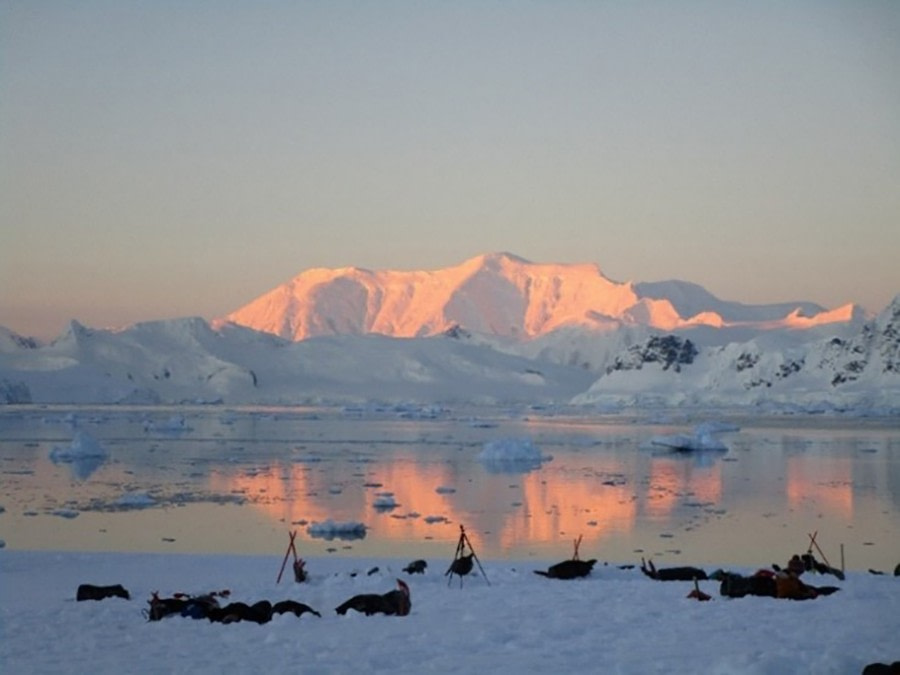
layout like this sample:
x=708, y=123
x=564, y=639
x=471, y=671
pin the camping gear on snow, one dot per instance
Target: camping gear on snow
x=570, y=569
x=462, y=564
x=672, y=573
x=392, y=603
x=299, y=564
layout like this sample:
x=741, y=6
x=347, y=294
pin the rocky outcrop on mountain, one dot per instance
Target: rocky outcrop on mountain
x=876, y=349
x=670, y=351
x=12, y=393
x=834, y=373
x=11, y=341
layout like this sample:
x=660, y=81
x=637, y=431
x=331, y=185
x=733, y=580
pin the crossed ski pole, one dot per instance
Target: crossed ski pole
x=298, y=564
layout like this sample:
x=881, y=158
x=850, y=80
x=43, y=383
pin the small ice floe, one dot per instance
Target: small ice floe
x=445, y=490
x=84, y=455
x=512, y=455
x=385, y=501
x=228, y=419
x=716, y=428
x=704, y=438
x=66, y=513
x=176, y=424
x=134, y=500
x=82, y=446
x=330, y=530
x=418, y=412
x=435, y=519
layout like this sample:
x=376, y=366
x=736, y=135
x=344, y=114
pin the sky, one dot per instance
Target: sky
x=169, y=159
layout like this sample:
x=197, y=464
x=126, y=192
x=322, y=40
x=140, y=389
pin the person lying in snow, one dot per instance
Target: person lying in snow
x=91, y=592
x=182, y=604
x=672, y=573
x=766, y=583
x=568, y=569
x=807, y=563
x=206, y=606
x=392, y=603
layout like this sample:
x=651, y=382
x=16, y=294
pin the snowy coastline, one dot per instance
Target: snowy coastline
x=615, y=621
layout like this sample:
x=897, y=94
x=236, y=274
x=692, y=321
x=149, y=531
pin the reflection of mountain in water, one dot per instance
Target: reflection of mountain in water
x=778, y=480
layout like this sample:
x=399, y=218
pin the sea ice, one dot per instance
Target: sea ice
x=330, y=530
x=83, y=446
x=385, y=502
x=703, y=438
x=512, y=455
x=135, y=500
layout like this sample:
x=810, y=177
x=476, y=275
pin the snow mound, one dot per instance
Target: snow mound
x=512, y=455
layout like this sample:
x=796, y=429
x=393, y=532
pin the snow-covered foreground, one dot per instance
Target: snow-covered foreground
x=615, y=621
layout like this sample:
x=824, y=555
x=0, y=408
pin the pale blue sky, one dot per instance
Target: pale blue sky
x=163, y=159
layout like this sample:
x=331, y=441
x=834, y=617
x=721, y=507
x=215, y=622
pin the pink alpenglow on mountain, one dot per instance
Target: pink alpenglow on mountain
x=504, y=295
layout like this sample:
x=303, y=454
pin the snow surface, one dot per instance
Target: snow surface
x=615, y=621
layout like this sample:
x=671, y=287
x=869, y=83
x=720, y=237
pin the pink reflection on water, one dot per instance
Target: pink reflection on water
x=672, y=480
x=812, y=484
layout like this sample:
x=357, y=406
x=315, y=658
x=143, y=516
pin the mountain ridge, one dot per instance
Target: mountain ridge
x=188, y=360
x=505, y=295
x=494, y=329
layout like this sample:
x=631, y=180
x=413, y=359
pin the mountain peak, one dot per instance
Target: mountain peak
x=499, y=294
x=500, y=258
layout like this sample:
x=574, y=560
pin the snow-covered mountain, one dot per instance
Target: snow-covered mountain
x=11, y=341
x=504, y=295
x=860, y=371
x=188, y=360
x=496, y=329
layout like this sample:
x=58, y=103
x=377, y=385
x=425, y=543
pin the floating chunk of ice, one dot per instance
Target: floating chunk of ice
x=512, y=455
x=385, y=502
x=330, y=529
x=135, y=500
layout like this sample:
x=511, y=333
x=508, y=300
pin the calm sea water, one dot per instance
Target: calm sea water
x=239, y=480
